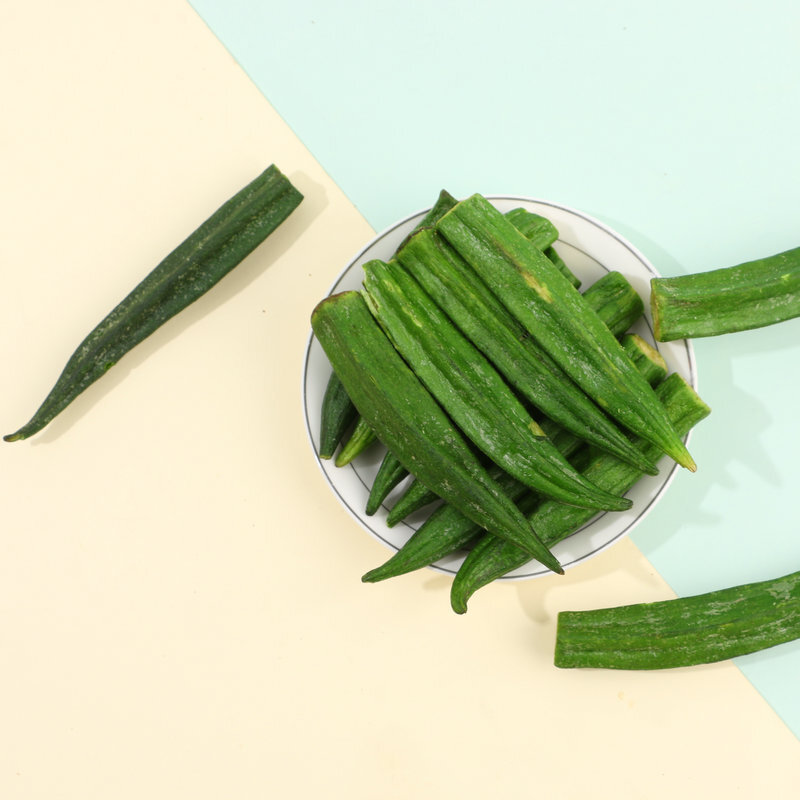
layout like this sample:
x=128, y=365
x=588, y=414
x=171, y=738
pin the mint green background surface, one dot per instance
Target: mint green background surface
x=676, y=124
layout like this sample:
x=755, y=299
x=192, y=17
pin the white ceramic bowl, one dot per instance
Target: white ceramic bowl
x=590, y=249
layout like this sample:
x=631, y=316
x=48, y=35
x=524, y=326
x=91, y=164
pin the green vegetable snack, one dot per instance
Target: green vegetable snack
x=751, y=295
x=682, y=632
x=404, y=416
x=187, y=273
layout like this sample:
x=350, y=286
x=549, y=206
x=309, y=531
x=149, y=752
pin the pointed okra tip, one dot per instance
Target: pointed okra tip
x=684, y=458
x=26, y=431
x=458, y=603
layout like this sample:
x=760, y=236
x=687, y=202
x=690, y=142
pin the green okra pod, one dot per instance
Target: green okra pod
x=407, y=419
x=556, y=315
x=618, y=305
x=361, y=437
x=489, y=560
x=188, y=272
x=390, y=473
x=472, y=306
x=682, y=632
x=337, y=414
x=750, y=295
x=447, y=530
x=415, y=497
x=471, y=390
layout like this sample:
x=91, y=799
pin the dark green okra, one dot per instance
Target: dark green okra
x=617, y=304
x=751, y=295
x=447, y=530
x=407, y=419
x=471, y=304
x=682, y=632
x=471, y=390
x=414, y=498
x=361, y=437
x=204, y=258
x=489, y=560
x=556, y=315
x=614, y=285
x=390, y=473
x=337, y=415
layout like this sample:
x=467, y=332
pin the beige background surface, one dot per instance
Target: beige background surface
x=181, y=613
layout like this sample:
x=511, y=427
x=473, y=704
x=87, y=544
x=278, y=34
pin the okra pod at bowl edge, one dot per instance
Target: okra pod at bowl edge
x=556, y=315
x=489, y=559
x=447, y=530
x=404, y=416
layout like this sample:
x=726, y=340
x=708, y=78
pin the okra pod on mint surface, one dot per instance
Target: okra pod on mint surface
x=188, y=272
x=754, y=294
